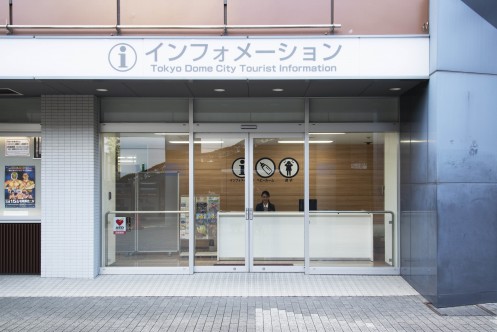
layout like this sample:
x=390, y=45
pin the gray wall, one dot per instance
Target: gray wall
x=449, y=166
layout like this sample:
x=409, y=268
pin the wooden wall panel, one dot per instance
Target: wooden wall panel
x=342, y=177
x=20, y=248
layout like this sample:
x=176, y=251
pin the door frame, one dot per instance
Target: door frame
x=270, y=268
x=249, y=206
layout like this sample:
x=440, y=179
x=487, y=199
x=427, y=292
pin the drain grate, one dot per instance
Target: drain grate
x=468, y=310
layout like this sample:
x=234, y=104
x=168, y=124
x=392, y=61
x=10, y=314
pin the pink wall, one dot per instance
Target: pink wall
x=59, y=12
x=367, y=17
x=356, y=16
x=279, y=12
x=4, y=15
x=172, y=12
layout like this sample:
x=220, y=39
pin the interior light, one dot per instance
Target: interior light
x=197, y=142
x=219, y=90
x=278, y=90
x=102, y=90
x=171, y=134
x=326, y=133
x=395, y=89
x=302, y=142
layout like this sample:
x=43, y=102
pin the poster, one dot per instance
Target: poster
x=183, y=221
x=19, y=187
x=206, y=208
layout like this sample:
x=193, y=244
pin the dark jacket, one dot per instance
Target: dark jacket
x=270, y=207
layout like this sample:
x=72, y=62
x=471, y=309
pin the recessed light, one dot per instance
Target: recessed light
x=278, y=90
x=395, y=89
x=102, y=90
x=219, y=90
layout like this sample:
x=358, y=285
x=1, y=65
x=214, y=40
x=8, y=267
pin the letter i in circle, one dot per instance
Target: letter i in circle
x=122, y=57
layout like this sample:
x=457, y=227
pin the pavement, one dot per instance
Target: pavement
x=229, y=302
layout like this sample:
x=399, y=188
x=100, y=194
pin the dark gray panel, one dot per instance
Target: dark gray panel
x=423, y=239
x=465, y=125
x=485, y=8
x=418, y=228
x=389, y=87
x=467, y=242
x=206, y=88
x=232, y=88
x=150, y=88
x=264, y=88
x=458, y=36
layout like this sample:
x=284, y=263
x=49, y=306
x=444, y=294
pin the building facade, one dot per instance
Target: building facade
x=141, y=139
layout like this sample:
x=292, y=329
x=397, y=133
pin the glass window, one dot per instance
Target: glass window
x=144, y=110
x=277, y=110
x=144, y=177
x=351, y=174
x=20, y=110
x=354, y=110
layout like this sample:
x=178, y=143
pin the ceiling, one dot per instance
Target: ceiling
x=206, y=88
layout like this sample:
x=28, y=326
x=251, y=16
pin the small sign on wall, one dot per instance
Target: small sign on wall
x=17, y=147
x=119, y=225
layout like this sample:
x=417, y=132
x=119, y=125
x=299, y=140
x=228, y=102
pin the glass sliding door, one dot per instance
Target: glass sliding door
x=220, y=218
x=235, y=231
x=277, y=226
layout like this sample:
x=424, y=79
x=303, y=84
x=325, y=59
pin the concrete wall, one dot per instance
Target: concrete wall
x=449, y=166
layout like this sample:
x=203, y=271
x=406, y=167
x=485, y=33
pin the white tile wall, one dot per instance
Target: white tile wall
x=70, y=229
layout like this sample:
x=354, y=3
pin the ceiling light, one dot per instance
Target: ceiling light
x=326, y=133
x=102, y=90
x=278, y=90
x=219, y=90
x=302, y=142
x=197, y=142
x=171, y=134
x=395, y=89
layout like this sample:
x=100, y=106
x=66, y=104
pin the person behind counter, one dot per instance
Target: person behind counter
x=265, y=205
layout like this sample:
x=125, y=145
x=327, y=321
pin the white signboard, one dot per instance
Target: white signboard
x=17, y=147
x=326, y=57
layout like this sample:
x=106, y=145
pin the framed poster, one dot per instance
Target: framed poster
x=19, y=187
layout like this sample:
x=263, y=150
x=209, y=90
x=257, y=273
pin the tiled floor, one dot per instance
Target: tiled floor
x=228, y=302
x=207, y=284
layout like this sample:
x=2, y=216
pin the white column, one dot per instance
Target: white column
x=70, y=175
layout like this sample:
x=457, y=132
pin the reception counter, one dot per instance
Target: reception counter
x=280, y=236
